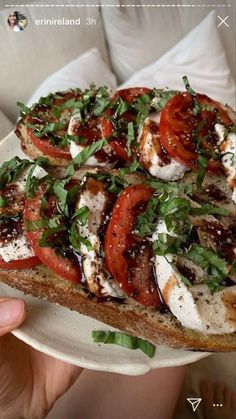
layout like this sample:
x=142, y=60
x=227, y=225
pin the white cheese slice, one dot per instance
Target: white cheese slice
x=149, y=157
x=16, y=249
x=75, y=148
x=19, y=248
x=38, y=172
x=194, y=306
x=228, y=148
x=97, y=278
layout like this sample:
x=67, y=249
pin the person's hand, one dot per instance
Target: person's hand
x=30, y=381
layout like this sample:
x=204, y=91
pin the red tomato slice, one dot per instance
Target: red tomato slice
x=117, y=243
x=66, y=268
x=132, y=93
x=20, y=263
x=44, y=113
x=128, y=95
x=43, y=144
x=178, y=123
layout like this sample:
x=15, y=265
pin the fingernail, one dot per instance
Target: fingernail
x=11, y=311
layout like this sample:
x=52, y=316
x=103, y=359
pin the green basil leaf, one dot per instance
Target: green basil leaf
x=32, y=181
x=209, y=209
x=87, y=152
x=202, y=164
x=44, y=241
x=82, y=215
x=130, y=138
x=76, y=239
x=61, y=195
x=161, y=98
x=122, y=339
x=11, y=170
x=3, y=202
x=187, y=86
x=122, y=106
x=175, y=205
x=207, y=258
x=146, y=221
x=36, y=225
x=24, y=110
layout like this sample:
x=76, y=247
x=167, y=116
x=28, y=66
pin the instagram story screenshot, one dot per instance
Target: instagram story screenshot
x=117, y=209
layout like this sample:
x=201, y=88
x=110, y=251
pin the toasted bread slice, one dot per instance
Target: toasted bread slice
x=29, y=148
x=127, y=315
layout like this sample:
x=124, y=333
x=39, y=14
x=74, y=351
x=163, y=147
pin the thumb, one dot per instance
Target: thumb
x=12, y=314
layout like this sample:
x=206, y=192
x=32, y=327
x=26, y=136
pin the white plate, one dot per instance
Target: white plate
x=66, y=335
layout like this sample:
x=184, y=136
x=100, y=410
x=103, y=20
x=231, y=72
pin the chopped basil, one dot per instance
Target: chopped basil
x=209, y=209
x=142, y=107
x=115, y=183
x=52, y=127
x=187, y=86
x=207, y=259
x=161, y=98
x=197, y=105
x=166, y=244
x=24, y=110
x=87, y=152
x=11, y=170
x=130, y=138
x=170, y=188
x=122, y=106
x=45, y=239
x=233, y=129
x=61, y=194
x=32, y=181
x=202, y=164
x=76, y=239
x=82, y=215
x=70, y=170
x=146, y=221
x=2, y=202
x=122, y=339
x=36, y=225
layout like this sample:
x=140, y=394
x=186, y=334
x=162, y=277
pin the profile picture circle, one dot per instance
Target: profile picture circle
x=17, y=21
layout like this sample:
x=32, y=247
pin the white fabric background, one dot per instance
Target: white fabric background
x=30, y=56
x=81, y=72
x=204, y=62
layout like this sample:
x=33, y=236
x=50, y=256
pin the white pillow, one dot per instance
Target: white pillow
x=200, y=55
x=86, y=69
x=5, y=126
x=30, y=56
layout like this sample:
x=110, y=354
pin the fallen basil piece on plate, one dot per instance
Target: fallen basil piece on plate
x=122, y=339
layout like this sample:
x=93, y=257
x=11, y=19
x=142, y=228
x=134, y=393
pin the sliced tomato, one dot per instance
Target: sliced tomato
x=178, y=123
x=20, y=263
x=67, y=268
x=119, y=145
x=45, y=113
x=132, y=93
x=118, y=243
x=43, y=144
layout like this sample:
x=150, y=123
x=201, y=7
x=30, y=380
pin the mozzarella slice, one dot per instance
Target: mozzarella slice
x=16, y=249
x=75, y=149
x=38, y=172
x=195, y=307
x=228, y=148
x=149, y=151
x=97, y=278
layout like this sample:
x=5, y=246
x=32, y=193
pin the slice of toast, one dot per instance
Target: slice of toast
x=127, y=315
x=30, y=149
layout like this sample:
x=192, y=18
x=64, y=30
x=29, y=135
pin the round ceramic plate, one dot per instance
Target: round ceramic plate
x=66, y=335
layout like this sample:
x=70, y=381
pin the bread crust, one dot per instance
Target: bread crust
x=128, y=316
x=29, y=148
